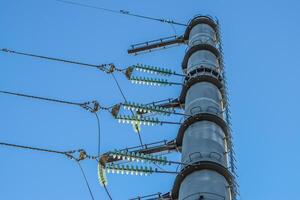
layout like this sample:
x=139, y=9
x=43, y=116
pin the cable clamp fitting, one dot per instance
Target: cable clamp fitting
x=82, y=155
x=93, y=106
x=111, y=69
x=124, y=12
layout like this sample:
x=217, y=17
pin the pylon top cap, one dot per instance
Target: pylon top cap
x=200, y=19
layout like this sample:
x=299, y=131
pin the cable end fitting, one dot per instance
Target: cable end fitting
x=111, y=69
x=93, y=106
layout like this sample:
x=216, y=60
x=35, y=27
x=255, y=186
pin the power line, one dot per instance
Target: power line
x=69, y=154
x=122, y=93
x=94, y=107
x=119, y=87
x=122, y=12
x=86, y=180
x=107, y=192
x=98, y=127
x=40, y=98
x=101, y=67
x=90, y=106
x=38, y=149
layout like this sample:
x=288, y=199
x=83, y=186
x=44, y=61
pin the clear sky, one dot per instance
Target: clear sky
x=261, y=46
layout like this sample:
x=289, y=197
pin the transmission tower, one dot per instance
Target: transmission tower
x=204, y=138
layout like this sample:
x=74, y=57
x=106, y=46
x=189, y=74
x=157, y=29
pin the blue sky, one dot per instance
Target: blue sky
x=261, y=49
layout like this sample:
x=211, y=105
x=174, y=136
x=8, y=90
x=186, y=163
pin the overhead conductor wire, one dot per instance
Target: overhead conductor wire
x=86, y=180
x=69, y=154
x=120, y=89
x=100, y=67
x=40, y=98
x=92, y=106
x=83, y=105
x=98, y=128
x=98, y=156
x=66, y=153
x=122, y=12
x=107, y=192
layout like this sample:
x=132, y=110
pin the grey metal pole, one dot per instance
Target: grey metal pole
x=204, y=138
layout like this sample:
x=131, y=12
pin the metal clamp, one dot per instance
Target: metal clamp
x=93, y=106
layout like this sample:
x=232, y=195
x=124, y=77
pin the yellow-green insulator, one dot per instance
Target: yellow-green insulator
x=101, y=175
x=137, y=127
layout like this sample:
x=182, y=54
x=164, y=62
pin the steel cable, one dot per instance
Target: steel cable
x=36, y=149
x=107, y=192
x=92, y=106
x=100, y=67
x=86, y=181
x=120, y=90
x=41, y=98
x=66, y=153
x=122, y=12
x=98, y=126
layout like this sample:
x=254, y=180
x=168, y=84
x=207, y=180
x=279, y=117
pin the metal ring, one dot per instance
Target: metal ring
x=203, y=74
x=200, y=20
x=198, y=79
x=199, y=194
x=200, y=117
x=199, y=47
x=202, y=165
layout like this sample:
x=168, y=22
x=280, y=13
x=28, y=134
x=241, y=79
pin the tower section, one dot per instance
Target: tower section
x=204, y=137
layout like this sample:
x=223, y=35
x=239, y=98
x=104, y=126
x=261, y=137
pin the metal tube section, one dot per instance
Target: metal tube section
x=204, y=140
